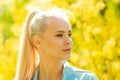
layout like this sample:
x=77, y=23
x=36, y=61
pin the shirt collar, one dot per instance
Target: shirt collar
x=68, y=73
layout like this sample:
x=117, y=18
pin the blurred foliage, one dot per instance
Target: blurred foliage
x=96, y=35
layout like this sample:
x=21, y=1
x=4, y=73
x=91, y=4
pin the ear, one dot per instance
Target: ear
x=36, y=41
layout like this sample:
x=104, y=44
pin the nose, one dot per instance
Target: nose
x=68, y=41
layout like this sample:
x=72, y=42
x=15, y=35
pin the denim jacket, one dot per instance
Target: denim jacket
x=72, y=73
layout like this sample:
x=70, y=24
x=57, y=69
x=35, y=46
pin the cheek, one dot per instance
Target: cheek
x=54, y=45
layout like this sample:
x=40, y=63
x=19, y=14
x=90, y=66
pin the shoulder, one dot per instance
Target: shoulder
x=83, y=74
x=78, y=74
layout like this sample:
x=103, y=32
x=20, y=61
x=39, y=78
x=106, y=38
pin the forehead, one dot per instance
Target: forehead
x=58, y=23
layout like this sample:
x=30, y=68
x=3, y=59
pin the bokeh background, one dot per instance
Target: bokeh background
x=96, y=34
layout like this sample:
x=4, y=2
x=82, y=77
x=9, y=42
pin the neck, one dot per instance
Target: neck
x=50, y=69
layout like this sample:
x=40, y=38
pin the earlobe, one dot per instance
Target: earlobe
x=36, y=41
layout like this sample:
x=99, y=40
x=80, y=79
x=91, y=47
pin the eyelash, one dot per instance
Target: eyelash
x=70, y=35
x=60, y=35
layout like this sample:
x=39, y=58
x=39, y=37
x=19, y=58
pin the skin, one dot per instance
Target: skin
x=52, y=45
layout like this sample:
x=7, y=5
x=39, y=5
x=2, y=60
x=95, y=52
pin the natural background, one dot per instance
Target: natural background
x=96, y=34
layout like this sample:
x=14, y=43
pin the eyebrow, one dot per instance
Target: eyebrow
x=64, y=31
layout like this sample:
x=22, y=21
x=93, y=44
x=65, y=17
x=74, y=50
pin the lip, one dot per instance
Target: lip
x=67, y=50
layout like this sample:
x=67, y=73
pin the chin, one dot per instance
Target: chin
x=66, y=57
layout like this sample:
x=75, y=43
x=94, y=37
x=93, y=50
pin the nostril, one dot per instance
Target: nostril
x=67, y=42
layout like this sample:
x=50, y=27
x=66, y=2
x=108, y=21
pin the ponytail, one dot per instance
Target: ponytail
x=27, y=55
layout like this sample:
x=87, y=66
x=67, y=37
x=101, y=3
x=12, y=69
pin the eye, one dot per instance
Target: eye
x=59, y=35
x=69, y=35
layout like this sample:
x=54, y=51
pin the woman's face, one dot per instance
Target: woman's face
x=56, y=41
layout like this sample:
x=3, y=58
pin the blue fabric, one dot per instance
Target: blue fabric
x=72, y=73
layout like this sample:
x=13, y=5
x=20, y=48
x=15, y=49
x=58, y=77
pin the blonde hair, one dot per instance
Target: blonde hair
x=35, y=24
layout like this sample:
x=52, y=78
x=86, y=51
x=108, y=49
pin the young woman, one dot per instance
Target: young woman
x=45, y=48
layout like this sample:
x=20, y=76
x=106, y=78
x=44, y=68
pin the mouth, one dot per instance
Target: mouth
x=67, y=50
